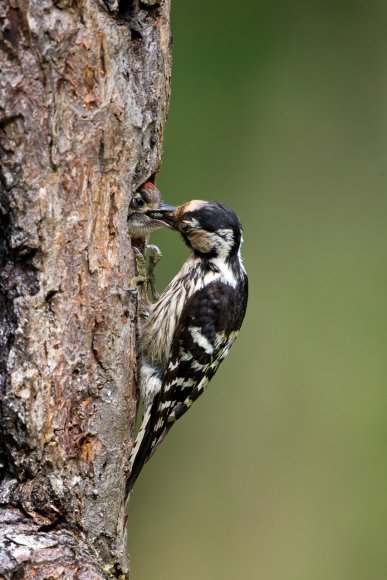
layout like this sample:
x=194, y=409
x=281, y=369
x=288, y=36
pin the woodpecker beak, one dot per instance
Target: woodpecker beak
x=165, y=207
x=165, y=214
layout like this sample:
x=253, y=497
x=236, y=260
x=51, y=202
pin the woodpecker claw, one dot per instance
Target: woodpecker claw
x=154, y=252
x=154, y=257
x=138, y=283
x=140, y=263
x=146, y=272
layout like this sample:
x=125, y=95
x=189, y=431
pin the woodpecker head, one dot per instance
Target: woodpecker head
x=208, y=227
x=146, y=199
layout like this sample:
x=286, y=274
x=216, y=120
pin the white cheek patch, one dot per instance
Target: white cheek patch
x=201, y=241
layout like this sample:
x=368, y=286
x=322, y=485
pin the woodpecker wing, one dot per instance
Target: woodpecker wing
x=207, y=328
x=205, y=332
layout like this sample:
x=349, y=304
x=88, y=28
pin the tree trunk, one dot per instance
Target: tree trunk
x=84, y=94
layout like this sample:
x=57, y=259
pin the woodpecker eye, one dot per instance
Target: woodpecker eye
x=137, y=202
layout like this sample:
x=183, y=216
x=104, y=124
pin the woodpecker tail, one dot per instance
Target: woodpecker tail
x=145, y=445
x=141, y=448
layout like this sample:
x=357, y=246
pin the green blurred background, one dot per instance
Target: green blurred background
x=279, y=109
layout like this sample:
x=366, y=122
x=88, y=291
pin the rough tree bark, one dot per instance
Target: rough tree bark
x=84, y=93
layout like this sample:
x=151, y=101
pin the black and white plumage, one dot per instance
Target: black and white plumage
x=193, y=325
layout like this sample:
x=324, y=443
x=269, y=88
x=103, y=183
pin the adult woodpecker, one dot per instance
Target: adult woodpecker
x=192, y=326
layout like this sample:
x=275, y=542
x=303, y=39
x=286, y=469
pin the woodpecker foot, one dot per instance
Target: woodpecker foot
x=154, y=257
x=138, y=284
x=146, y=272
x=141, y=268
x=154, y=253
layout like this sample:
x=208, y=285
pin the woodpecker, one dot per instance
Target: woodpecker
x=147, y=198
x=193, y=325
x=140, y=226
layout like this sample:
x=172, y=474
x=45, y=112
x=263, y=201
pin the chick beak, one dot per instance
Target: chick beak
x=164, y=213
